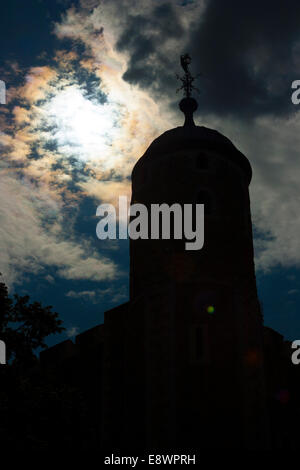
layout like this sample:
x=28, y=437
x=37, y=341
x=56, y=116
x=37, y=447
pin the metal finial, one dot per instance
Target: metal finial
x=188, y=104
x=187, y=79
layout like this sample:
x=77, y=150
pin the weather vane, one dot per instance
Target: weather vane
x=187, y=79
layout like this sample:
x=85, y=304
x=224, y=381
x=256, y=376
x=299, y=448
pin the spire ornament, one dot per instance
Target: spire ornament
x=188, y=104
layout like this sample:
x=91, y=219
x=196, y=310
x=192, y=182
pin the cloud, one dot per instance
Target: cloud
x=108, y=191
x=29, y=245
x=272, y=146
x=293, y=291
x=83, y=294
x=72, y=331
x=71, y=130
x=50, y=279
x=114, y=295
x=108, y=34
x=248, y=53
x=147, y=37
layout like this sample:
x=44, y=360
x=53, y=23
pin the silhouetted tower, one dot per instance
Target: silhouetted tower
x=192, y=359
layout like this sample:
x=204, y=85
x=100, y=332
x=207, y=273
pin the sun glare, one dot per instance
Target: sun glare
x=82, y=127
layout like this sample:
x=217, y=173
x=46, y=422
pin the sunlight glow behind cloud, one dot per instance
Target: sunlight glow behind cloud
x=82, y=127
x=72, y=130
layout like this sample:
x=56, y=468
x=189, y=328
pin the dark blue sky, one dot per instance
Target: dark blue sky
x=26, y=29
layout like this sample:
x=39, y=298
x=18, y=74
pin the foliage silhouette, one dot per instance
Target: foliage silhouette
x=39, y=410
x=24, y=326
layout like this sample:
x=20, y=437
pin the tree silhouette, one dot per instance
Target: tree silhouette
x=36, y=412
x=24, y=326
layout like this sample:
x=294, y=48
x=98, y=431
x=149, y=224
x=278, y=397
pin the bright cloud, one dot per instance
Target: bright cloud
x=82, y=127
x=28, y=245
x=58, y=125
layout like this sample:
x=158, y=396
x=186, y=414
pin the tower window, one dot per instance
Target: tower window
x=203, y=197
x=201, y=162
